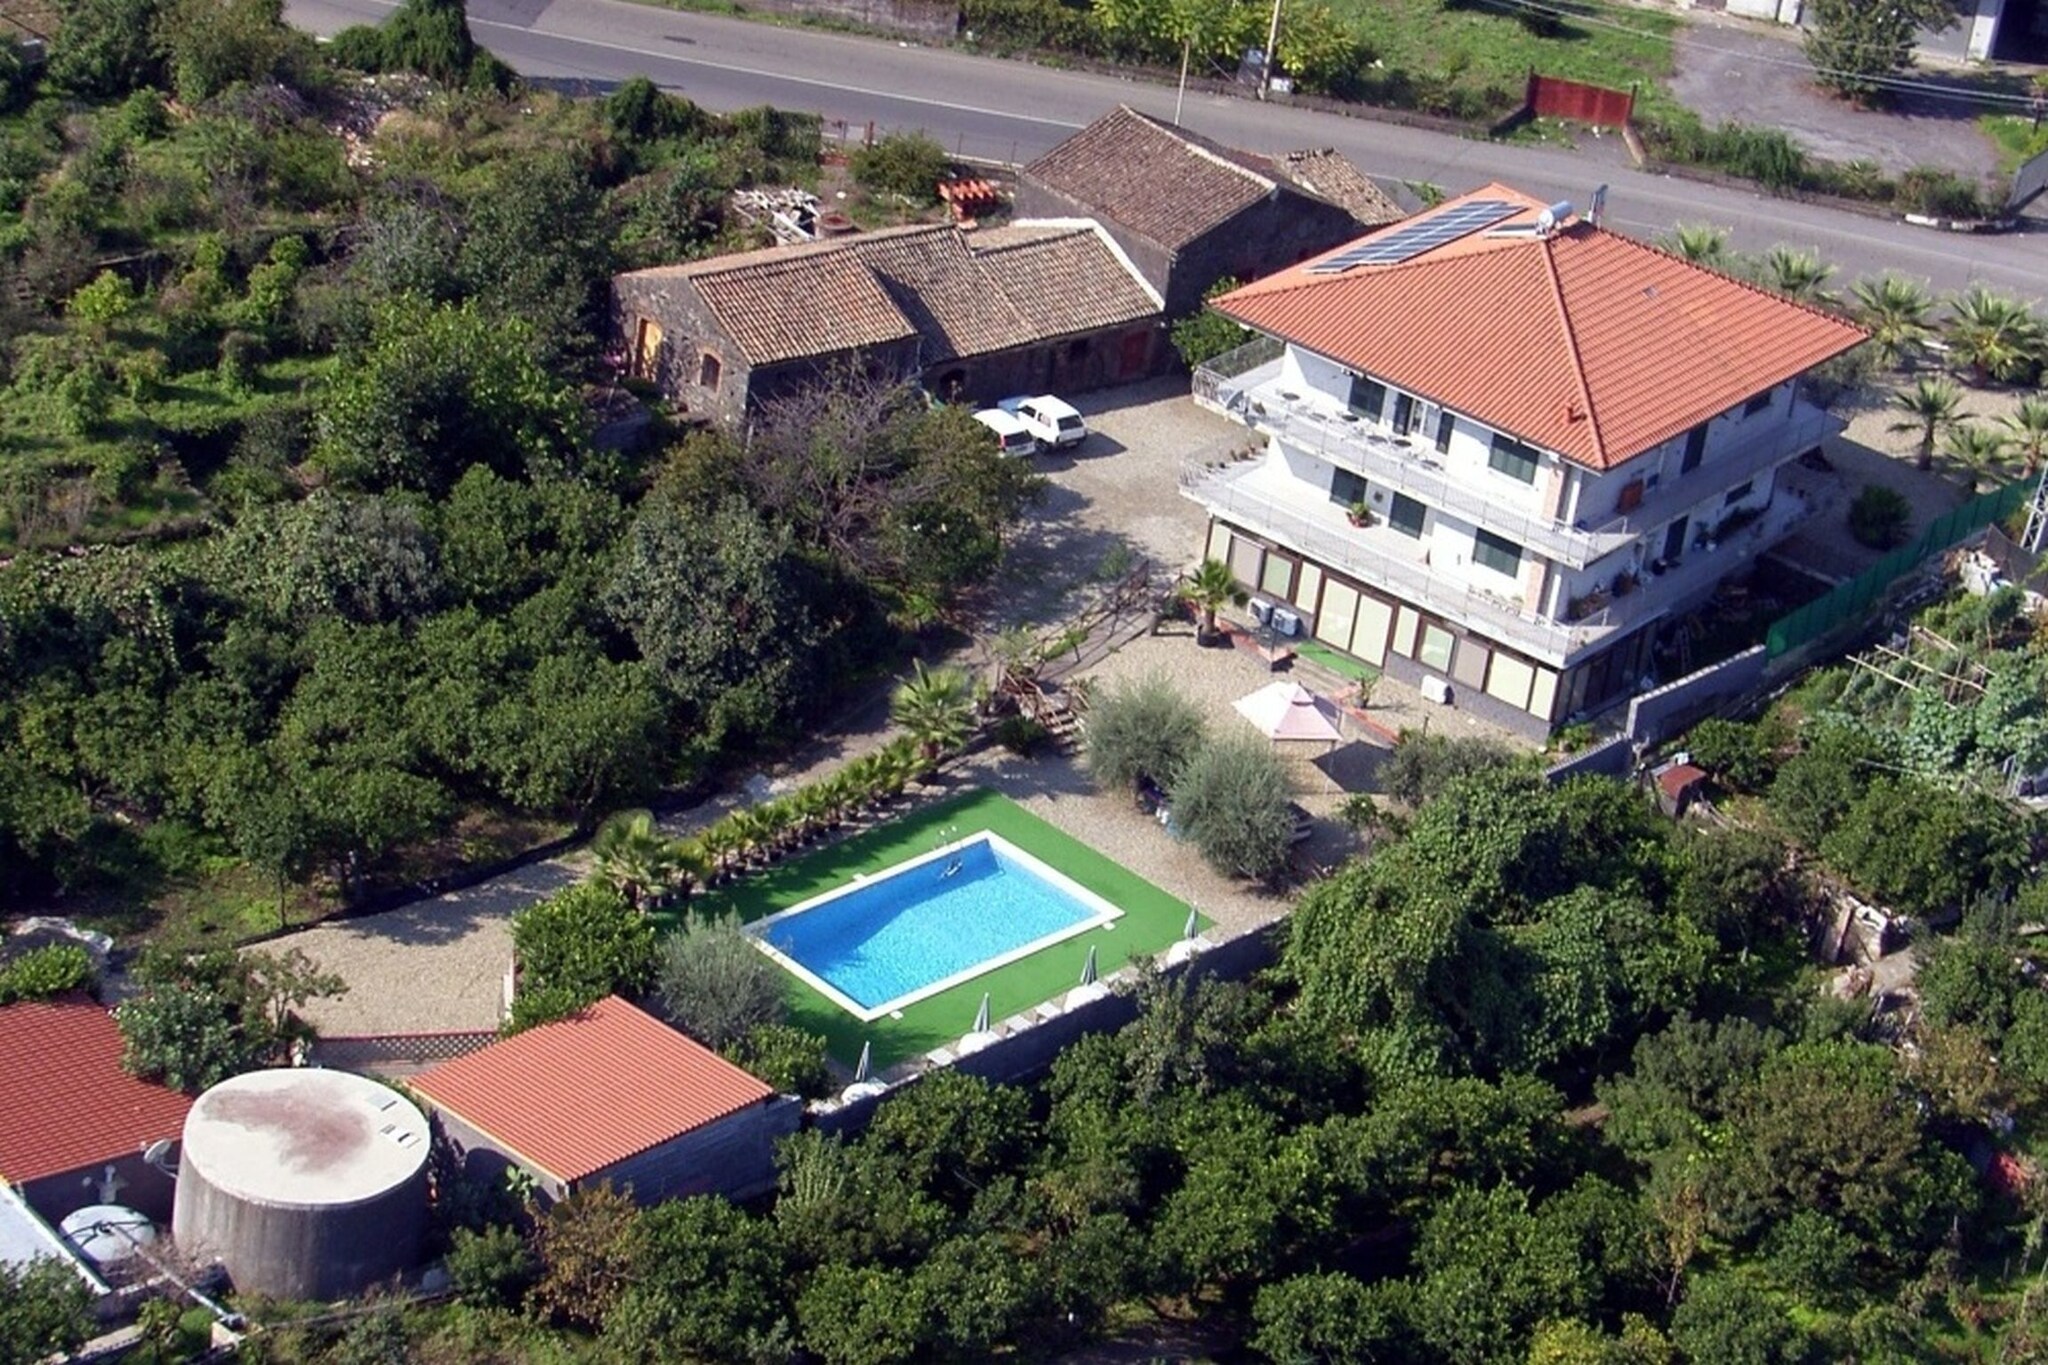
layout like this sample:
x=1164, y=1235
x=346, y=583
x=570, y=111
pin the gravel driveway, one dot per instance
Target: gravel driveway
x=1728, y=72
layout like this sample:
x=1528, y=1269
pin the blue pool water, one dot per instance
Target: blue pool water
x=912, y=928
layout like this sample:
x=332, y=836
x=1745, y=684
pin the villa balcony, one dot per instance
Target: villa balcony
x=1247, y=385
x=1380, y=556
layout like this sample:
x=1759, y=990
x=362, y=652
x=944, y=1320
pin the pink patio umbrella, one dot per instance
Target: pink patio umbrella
x=1287, y=710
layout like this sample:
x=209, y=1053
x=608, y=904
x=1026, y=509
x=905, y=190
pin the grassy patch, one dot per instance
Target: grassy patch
x=2017, y=139
x=1151, y=921
x=1479, y=46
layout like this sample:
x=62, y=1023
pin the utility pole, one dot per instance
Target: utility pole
x=1272, y=37
x=1187, y=48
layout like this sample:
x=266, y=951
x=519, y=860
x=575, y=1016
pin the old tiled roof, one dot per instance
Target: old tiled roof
x=580, y=1094
x=1580, y=341
x=965, y=294
x=1059, y=273
x=1165, y=184
x=65, y=1102
x=1327, y=174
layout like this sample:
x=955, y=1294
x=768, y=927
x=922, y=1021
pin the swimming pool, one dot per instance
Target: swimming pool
x=880, y=943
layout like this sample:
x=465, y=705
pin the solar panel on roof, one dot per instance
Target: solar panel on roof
x=1405, y=243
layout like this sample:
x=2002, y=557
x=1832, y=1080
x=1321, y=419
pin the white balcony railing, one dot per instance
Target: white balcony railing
x=1324, y=427
x=1321, y=533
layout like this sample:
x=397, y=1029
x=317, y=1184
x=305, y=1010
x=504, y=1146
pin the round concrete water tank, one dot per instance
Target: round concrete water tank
x=305, y=1184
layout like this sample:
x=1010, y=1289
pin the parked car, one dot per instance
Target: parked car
x=1013, y=437
x=1054, y=421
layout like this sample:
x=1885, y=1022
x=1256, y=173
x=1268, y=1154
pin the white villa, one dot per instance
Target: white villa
x=1554, y=437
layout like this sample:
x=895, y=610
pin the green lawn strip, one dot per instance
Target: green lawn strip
x=1151, y=921
x=1341, y=664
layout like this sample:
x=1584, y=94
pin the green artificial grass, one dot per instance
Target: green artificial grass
x=1151, y=921
x=1341, y=664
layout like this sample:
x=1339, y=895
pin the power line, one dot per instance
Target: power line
x=1956, y=92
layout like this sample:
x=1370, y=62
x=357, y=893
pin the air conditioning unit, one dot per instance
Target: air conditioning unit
x=1286, y=622
x=1436, y=690
x=1262, y=610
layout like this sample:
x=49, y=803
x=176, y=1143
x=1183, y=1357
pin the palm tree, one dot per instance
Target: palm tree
x=1979, y=450
x=936, y=706
x=1999, y=338
x=1936, y=404
x=1895, y=309
x=1209, y=589
x=1700, y=243
x=2029, y=427
x=633, y=856
x=1801, y=275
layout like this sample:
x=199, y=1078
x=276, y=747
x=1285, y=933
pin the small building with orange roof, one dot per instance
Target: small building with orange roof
x=73, y=1124
x=1506, y=446
x=611, y=1094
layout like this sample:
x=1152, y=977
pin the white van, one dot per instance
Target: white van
x=1054, y=421
x=1012, y=436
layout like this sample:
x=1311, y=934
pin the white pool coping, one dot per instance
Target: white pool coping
x=1104, y=915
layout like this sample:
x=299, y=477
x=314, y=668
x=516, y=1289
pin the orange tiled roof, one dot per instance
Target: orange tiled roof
x=65, y=1102
x=582, y=1093
x=1581, y=341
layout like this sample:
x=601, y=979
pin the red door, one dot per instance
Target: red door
x=1136, y=356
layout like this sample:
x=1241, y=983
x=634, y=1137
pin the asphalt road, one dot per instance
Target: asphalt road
x=991, y=109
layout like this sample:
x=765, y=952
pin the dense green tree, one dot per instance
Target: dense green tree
x=197, y=1019
x=1820, y=784
x=712, y=599
x=593, y=1248
x=1333, y=1319
x=105, y=48
x=45, y=1310
x=862, y=1314
x=706, y=1280
x=1142, y=728
x=435, y=389
x=1422, y=765
x=1724, y=1320
x=536, y=253
x=210, y=45
x=717, y=985
x=586, y=941
x=360, y=558
x=1204, y=334
x=954, y=1133
x=1232, y=800
x=1857, y=48
x=1928, y=850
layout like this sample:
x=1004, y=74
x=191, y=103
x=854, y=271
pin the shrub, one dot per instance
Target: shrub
x=906, y=164
x=1939, y=193
x=1879, y=517
x=1021, y=735
x=578, y=946
x=716, y=985
x=492, y=1268
x=1204, y=334
x=1927, y=850
x=1816, y=787
x=1142, y=729
x=785, y=1057
x=44, y=972
x=1232, y=800
x=1733, y=752
x=1423, y=765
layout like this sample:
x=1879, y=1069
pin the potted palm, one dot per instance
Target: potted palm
x=1359, y=513
x=1208, y=590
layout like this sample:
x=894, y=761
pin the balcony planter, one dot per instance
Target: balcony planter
x=1359, y=514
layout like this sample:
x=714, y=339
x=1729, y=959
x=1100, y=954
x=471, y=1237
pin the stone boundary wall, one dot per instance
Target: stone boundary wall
x=1659, y=714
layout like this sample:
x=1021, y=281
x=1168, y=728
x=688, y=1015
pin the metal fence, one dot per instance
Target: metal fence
x=1852, y=601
